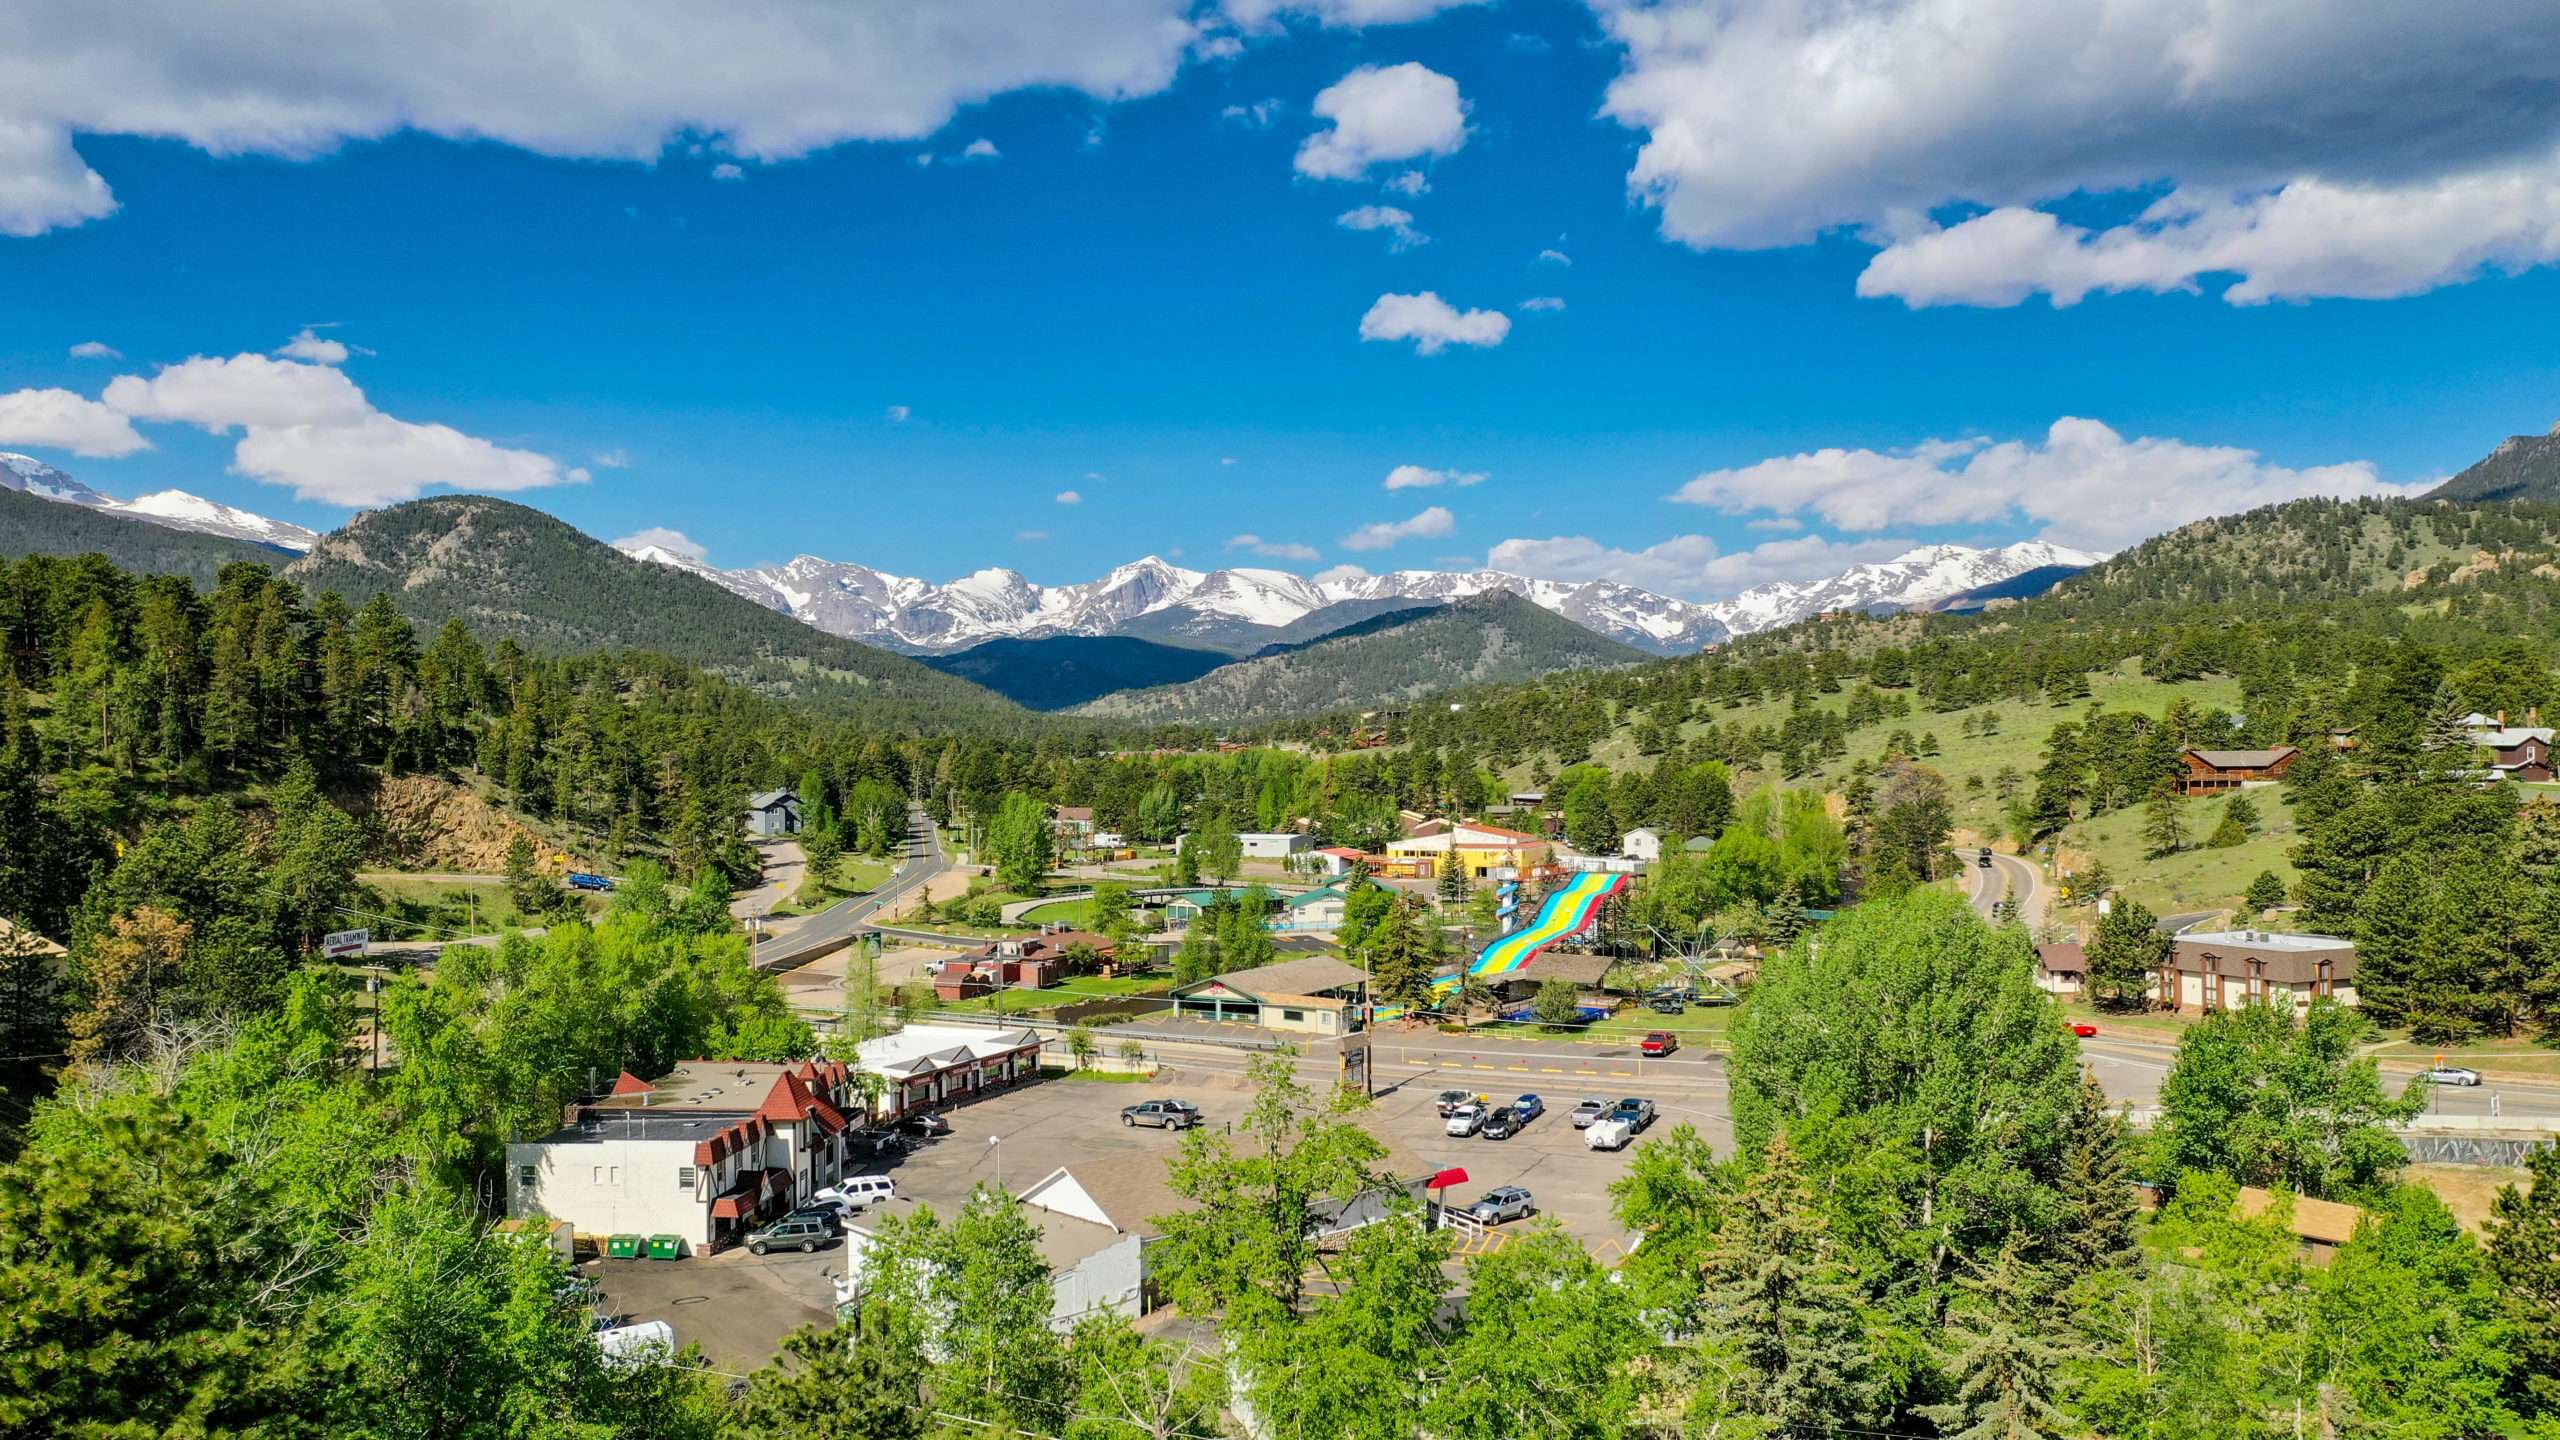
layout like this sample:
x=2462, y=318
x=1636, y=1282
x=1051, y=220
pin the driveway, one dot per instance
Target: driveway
x=783, y=867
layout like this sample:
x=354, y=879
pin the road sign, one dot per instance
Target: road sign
x=345, y=942
x=1355, y=1063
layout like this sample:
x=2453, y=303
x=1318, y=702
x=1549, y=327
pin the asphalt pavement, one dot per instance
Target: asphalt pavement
x=837, y=925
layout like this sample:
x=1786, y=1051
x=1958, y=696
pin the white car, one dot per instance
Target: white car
x=1465, y=1120
x=2449, y=1075
x=1608, y=1134
x=859, y=1192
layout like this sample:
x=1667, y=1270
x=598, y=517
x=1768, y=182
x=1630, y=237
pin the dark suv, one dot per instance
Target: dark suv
x=791, y=1232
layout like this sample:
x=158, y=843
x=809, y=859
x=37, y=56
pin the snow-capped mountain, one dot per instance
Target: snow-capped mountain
x=1241, y=609
x=173, y=508
x=1915, y=577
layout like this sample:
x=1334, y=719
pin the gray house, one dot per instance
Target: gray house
x=773, y=812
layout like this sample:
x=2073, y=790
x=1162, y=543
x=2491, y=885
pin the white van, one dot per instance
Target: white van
x=1608, y=1135
x=649, y=1342
x=860, y=1192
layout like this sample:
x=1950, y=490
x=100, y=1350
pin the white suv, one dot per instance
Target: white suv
x=1465, y=1120
x=859, y=1192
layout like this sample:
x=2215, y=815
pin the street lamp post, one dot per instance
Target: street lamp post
x=996, y=1144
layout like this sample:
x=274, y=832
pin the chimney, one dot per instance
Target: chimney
x=2502, y=719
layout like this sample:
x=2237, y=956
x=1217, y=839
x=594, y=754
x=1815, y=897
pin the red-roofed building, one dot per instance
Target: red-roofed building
x=702, y=1153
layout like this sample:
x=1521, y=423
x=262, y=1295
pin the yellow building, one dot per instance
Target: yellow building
x=1478, y=850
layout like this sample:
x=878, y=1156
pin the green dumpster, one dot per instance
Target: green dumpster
x=665, y=1247
x=622, y=1247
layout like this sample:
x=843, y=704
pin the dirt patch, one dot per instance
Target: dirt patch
x=2466, y=1190
x=423, y=822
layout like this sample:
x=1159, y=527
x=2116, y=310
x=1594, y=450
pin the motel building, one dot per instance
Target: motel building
x=929, y=1067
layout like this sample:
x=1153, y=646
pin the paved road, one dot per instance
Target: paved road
x=834, y=927
x=784, y=865
x=2008, y=875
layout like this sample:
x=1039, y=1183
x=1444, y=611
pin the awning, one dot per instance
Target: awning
x=731, y=1207
x=1454, y=1175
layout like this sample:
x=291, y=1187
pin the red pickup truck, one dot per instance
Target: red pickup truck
x=1659, y=1042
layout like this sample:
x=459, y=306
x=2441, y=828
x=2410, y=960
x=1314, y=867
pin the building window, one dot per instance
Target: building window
x=1294, y=1017
x=599, y=1175
x=526, y=1177
x=684, y=1177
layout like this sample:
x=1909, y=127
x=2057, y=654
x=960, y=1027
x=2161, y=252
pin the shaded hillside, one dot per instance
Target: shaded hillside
x=1339, y=616
x=31, y=525
x=1485, y=639
x=1053, y=672
x=2021, y=586
x=2523, y=467
x=510, y=571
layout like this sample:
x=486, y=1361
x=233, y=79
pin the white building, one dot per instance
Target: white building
x=1644, y=845
x=928, y=1066
x=1274, y=844
x=702, y=1154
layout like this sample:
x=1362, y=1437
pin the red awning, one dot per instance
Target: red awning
x=732, y=1207
x=1454, y=1175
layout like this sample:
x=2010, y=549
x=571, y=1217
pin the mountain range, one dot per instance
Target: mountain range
x=175, y=509
x=1242, y=611
x=2523, y=467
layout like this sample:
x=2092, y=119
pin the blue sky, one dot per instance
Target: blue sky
x=1139, y=299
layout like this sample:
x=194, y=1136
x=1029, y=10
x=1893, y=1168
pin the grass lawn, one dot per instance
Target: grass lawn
x=1076, y=913
x=1099, y=1077
x=2196, y=878
x=429, y=906
x=1066, y=992
x=861, y=874
x=2520, y=1059
x=1706, y=1025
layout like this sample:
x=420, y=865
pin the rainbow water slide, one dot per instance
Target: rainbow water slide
x=1566, y=912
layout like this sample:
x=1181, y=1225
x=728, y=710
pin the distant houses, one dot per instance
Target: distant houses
x=2516, y=752
x=2214, y=772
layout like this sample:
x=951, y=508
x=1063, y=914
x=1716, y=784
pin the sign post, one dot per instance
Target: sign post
x=1357, y=1075
x=338, y=944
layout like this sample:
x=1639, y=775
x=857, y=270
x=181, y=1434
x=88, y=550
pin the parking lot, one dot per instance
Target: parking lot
x=739, y=1307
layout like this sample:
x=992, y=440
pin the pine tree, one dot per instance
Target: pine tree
x=2164, y=829
x=1778, y=1298
x=2266, y=892
x=2126, y=954
x=2005, y=1360
x=2524, y=1257
x=2095, y=1179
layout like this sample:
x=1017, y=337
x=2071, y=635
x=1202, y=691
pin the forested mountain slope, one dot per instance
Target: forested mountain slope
x=30, y=525
x=510, y=571
x=2523, y=467
x=1487, y=638
x=1052, y=672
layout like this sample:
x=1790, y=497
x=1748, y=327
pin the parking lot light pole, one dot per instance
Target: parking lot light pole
x=996, y=1144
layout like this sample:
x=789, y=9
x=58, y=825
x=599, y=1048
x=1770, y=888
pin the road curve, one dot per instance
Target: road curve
x=834, y=927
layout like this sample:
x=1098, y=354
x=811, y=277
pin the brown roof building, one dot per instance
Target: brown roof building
x=2210, y=970
x=2210, y=772
x=2062, y=968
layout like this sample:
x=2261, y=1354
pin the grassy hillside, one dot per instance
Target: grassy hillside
x=31, y=525
x=1487, y=638
x=507, y=570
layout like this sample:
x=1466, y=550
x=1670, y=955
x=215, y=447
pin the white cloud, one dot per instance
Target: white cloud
x=728, y=172
x=309, y=427
x=1433, y=324
x=898, y=414
x=1543, y=302
x=1274, y=549
x=1339, y=575
x=95, y=350
x=766, y=80
x=1069, y=497
x=1409, y=183
x=1774, y=522
x=1555, y=257
x=1432, y=523
x=309, y=344
x=982, y=148
x=674, y=542
x=61, y=420
x=1031, y=537
x=1339, y=14
x=616, y=459
x=1256, y=116
x=2309, y=147
x=1383, y=114
x=2088, y=485
x=1397, y=223
x=1417, y=477
x=221, y=393
x=1226, y=459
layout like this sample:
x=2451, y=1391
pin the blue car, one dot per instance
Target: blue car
x=1528, y=1108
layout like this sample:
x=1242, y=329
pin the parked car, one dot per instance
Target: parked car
x=1450, y=1100
x=1637, y=1113
x=791, y=1232
x=1609, y=1134
x=1509, y=1202
x=1589, y=1111
x=860, y=1192
x=651, y=1342
x=830, y=1213
x=2449, y=1075
x=1466, y=1119
x=1161, y=1114
x=1659, y=1042
x=2083, y=1029
x=925, y=1126
x=1666, y=1005
x=1528, y=1108
x=1501, y=1123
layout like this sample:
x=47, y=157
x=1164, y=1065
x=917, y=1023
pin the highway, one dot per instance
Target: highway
x=834, y=927
x=2006, y=875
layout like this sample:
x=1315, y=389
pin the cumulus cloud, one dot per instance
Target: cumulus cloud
x=1274, y=549
x=1256, y=116
x=1397, y=223
x=95, y=350
x=1382, y=114
x=308, y=426
x=1070, y=497
x=1433, y=324
x=2086, y=484
x=1339, y=14
x=674, y=542
x=1408, y=183
x=728, y=172
x=1432, y=523
x=1418, y=477
x=1555, y=257
x=309, y=344
x=557, y=78
x=1772, y=123
x=1543, y=302
x=982, y=148
x=898, y=414
x=61, y=420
